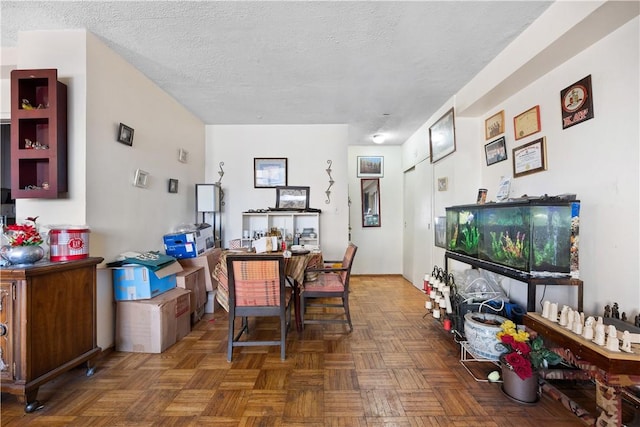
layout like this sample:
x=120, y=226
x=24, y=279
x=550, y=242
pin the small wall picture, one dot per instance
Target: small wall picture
x=125, y=134
x=494, y=125
x=173, y=185
x=370, y=166
x=577, y=103
x=495, y=151
x=443, y=184
x=183, y=155
x=141, y=178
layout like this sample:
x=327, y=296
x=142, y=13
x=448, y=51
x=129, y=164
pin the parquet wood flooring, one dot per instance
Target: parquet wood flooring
x=395, y=369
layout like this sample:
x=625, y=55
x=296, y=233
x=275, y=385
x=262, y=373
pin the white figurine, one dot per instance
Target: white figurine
x=553, y=312
x=545, y=309
x=626, y=342
x=599, y=339
x=570, y=318
x=587, y=333
x=613, y=343
x=563, y=315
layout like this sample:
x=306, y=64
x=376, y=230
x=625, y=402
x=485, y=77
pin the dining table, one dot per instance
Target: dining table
x=296, y=264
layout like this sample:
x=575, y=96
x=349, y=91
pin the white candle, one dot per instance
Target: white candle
x=432, y=294
x=429, y=305
x=436, y=314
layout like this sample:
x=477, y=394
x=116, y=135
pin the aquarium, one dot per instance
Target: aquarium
x=505, y=236
x=462, y=231
x=537, y=236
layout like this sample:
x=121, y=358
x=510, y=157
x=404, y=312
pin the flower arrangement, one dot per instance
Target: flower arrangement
x=22, y=235
x=523, y=355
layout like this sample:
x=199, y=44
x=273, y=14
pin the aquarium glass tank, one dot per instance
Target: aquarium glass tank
x=505, y=232
x=462, y=230
x=534, y=236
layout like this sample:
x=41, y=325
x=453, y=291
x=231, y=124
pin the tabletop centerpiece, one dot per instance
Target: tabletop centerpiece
x=24, y=243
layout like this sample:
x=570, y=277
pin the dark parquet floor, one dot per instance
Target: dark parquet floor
x=395, y=369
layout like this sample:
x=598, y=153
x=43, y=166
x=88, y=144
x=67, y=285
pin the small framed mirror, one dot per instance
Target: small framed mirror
x=370, y=202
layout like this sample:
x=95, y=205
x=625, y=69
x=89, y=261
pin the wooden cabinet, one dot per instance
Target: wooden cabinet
x=306, y=224
x=38, y=134
x=47, y=323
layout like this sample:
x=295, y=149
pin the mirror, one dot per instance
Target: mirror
x=370, y=202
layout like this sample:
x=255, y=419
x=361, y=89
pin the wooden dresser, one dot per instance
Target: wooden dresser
x=47, y=323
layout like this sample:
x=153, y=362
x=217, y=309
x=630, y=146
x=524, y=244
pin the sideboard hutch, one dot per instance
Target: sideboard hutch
x=47, y=323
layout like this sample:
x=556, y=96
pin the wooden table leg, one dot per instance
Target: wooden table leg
x=296, y=302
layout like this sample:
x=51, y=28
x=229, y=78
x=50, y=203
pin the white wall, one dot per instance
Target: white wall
x=598, y=159
x=379, y=248
x=104, y=90
x=307, y=149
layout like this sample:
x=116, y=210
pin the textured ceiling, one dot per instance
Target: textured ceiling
x=377, y=66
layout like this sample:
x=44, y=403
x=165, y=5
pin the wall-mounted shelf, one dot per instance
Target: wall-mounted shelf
x=531, y=281
x=38, y=134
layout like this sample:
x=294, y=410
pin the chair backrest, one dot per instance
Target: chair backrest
x=256, y=281
x=347, y=261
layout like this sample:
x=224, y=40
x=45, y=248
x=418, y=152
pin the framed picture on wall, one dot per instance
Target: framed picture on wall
x=530, y=158
x=125, y=134
x=494, y=126
x=442, y=137
x=293, y=198
x=495, y=151
x=269, y=172
x=527, y=123
x=370, y=166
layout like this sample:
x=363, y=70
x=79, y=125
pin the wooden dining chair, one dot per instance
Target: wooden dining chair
x=331, y=282
x=257, y=289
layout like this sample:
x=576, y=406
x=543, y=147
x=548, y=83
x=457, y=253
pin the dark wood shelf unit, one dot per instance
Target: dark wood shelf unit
x=32, y=169
x=48, y=323
x=531, y=281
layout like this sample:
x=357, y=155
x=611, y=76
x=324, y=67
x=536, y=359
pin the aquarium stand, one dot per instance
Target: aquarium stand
x=521, y=276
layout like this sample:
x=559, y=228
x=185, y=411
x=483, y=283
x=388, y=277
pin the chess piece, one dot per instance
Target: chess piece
x=570, y=318
x=623, y=317
x=613, y=343
x=563, y=316
x=553, y=313
x=599, y=321
x=599, y=339
x=607, y=310
x=626, y=342
x=545, y=309
x=577, y=326
x=637, y=322
x=614, y=311
x=587, y=333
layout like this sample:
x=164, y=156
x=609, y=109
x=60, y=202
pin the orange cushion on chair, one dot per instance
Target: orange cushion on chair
x=327, y=282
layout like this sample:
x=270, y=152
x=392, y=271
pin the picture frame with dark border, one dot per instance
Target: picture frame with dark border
x=125, y=134
x=370, y=166
x=495, y=151
x=292, y=198
x=530, y=158
x=577, y=102
x=442, y=137
x=494, y=126
x=269, y=172
x=173, y=185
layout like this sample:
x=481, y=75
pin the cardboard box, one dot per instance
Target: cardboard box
x=135, y=281
x=153, y=325
x=191, y=244
x=208, y=261
x=192, y=279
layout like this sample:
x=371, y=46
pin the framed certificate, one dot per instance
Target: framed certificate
x=527, y=123
x=530, y=158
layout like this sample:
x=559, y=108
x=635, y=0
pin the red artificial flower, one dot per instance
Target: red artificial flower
x=22, y=235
